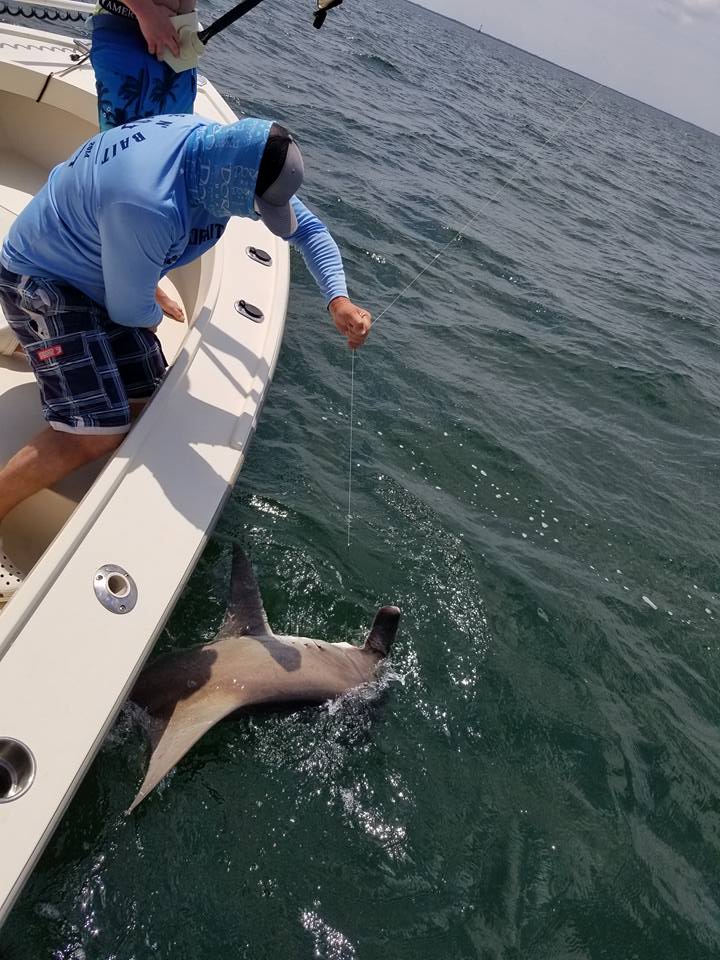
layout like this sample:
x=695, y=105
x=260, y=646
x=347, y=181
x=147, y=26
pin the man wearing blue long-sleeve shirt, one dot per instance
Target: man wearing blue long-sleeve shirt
x=80, y=266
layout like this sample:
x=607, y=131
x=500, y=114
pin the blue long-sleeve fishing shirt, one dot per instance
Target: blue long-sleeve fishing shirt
x=117, y=216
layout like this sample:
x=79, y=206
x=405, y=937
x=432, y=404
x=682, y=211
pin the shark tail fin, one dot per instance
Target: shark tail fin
x=382, y=633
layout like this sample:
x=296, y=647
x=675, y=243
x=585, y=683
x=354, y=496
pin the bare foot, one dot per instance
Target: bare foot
x=169, y=306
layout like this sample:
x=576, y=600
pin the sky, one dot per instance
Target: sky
x=664, y=52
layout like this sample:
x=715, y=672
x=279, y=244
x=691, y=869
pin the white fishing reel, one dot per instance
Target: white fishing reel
x=193, y=40
x=191, y=46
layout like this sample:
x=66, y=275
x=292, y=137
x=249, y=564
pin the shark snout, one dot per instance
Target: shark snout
x=385, y=626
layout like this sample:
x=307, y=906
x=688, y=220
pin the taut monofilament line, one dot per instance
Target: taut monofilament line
x=352, y=400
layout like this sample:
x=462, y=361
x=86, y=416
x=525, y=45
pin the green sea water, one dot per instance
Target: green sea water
x=535, y=472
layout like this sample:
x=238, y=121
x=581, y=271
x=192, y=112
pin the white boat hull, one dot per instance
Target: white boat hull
x=67, y=662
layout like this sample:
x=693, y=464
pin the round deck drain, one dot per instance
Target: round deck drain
x=115, y=589
x=17, y=769
x=250, y=311
x=259, y=256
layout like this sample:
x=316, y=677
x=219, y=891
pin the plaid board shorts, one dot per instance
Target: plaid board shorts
x=87, y=367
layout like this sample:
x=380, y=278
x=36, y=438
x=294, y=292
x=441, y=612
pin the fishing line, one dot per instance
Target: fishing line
x=458, y=236
x=352, y=399
x=503, y=187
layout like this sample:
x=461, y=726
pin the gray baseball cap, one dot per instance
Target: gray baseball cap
x=280, y=175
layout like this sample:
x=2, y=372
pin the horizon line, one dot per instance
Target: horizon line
x=575, y=73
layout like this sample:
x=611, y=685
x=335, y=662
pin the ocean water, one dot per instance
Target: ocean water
x=535, y=473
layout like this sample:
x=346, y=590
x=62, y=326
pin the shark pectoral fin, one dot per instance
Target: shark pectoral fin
x=245, y=612
x=172, y=736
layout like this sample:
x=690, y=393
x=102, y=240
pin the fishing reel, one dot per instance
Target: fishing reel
x=193, y=40
x=321, y=11
x=191, y=44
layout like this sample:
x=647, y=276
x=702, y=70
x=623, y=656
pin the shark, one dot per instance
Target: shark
x=187, y=692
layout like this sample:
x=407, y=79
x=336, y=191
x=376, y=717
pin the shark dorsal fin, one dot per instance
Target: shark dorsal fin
x=245, y=613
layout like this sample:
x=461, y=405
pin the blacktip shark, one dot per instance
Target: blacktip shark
x=188, y=692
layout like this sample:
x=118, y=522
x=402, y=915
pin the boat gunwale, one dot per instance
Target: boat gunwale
x=213, y=312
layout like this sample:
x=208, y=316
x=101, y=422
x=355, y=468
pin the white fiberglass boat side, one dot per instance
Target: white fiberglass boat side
x=109, y=550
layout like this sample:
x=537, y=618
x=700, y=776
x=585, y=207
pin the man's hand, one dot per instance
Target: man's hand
x=352, y=321
x=169, y=307
x=155, y=24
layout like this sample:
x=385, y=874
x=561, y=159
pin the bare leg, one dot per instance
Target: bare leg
x=49, y=457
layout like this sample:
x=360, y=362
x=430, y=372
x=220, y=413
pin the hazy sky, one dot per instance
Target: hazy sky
x=665, y=52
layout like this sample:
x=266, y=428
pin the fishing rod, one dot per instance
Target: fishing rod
x=193, y=41
x=319, y=16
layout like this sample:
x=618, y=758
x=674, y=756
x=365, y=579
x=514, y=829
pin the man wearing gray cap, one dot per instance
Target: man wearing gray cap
x=80, y=266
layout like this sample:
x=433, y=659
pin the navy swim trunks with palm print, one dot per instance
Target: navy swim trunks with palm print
x=131, y=84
